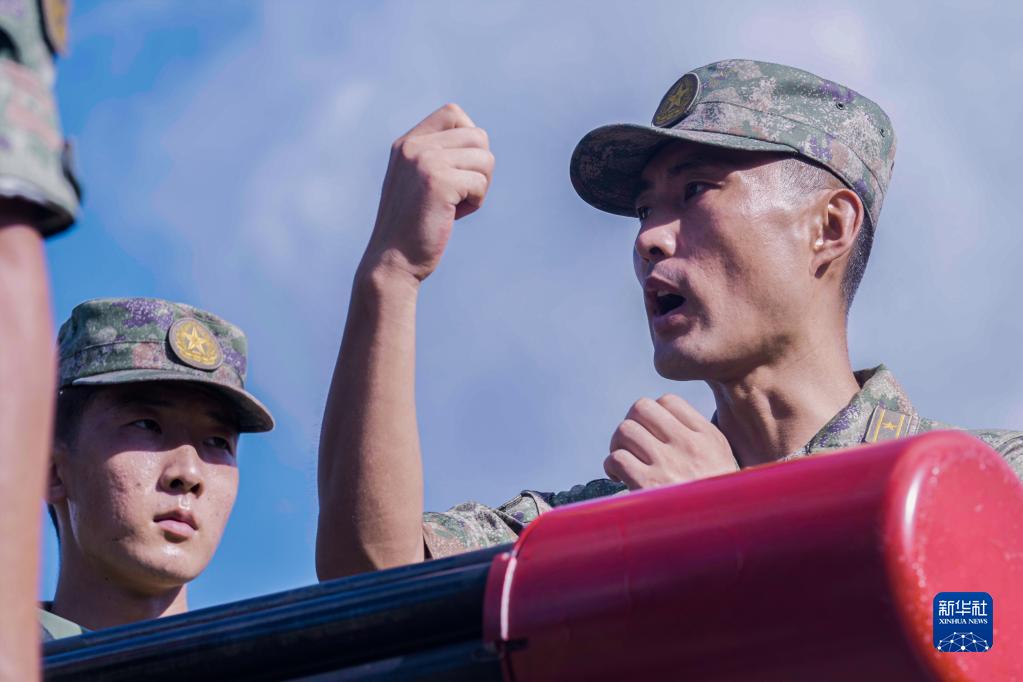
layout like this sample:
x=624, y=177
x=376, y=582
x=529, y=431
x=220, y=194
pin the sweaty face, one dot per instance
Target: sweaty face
x=722, y=254
x=150, y=480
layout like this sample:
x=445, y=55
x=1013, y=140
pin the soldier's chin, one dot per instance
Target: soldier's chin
x=162, y=572
x=674, y=363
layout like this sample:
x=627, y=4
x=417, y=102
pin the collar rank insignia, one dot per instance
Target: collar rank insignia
x=887, y=424
x=194, y=344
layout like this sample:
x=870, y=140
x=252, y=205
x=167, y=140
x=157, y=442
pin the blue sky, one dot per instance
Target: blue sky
x=232, y=154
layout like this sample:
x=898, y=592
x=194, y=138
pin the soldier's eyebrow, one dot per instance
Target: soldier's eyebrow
x=687, y=165
x=147, y=399
x=223, y=419
x=123, y=398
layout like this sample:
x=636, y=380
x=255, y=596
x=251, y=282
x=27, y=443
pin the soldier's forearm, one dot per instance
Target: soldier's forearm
x=26, y=412
x=370, y=470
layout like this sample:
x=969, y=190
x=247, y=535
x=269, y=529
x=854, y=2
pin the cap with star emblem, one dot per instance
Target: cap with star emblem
x=745, y=105
x=130, y=340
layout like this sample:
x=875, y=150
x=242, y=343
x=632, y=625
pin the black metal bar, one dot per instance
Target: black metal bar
x=463, y=662
x=390, y=614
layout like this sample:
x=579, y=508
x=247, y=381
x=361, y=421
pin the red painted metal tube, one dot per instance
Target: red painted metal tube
x=819, y=569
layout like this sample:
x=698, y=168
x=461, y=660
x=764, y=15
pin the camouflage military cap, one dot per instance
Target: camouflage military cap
x=746, y=105
x=110, y=341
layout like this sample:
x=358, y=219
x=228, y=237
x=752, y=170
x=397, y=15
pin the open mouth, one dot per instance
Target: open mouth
x=666, y=303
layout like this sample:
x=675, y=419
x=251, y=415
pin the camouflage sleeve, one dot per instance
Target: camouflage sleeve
x=1009, y=444
x=472, y=525
x=35, y=161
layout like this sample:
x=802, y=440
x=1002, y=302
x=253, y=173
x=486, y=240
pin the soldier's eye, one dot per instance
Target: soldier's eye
x=695, y=188
x=642, y=212
x=147, y=425
x=219, y=443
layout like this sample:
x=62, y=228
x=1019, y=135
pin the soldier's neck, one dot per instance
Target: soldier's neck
x=96, y=600
x=778, y=407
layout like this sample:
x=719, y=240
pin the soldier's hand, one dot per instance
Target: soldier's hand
x=666, y=441
x=439, y=172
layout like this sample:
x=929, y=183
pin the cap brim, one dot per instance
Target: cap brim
x=607, y=162
x=252, y=415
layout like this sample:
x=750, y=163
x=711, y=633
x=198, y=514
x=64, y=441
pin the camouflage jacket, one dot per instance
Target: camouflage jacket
x=54, y=627
x=880, y=411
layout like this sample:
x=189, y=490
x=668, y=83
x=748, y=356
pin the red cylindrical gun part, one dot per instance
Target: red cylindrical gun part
x=824, y=568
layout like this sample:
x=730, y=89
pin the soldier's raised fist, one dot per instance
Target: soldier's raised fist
x=439, y=172
x=666, y=441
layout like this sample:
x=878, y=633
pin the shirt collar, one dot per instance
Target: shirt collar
x=881, y=410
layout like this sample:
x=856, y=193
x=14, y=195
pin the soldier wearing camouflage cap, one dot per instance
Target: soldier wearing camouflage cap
x=758, y=188
x=38, y=198
x=144, y=475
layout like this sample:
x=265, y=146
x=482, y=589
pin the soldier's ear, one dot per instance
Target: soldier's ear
x=841, y=221
x=56, y=489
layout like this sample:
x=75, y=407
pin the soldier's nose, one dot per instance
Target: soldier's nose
x=655, y=243
x=183, y=472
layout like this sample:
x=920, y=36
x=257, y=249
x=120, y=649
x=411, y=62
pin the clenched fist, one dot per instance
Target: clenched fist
x=439, y=172
x=666, y=441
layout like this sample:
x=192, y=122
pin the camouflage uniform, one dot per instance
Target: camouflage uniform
x=749, y=106
x=54, y=627
x=880, y=411
x=35, y=161
x=117, y=341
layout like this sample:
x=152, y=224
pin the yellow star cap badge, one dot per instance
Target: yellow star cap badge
x=194, y=344
x=677, y=101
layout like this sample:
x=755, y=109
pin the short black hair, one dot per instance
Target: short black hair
x=71, y=404
x=808, y=176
